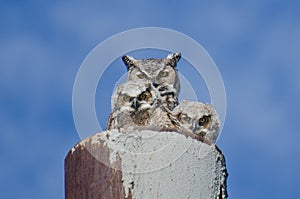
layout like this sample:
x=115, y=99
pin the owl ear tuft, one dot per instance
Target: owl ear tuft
x=128, y=61
x=174, y=58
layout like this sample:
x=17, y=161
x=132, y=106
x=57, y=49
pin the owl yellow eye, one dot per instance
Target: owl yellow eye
x=164, y=74
x=126, y=98
x=142, y=96
x=204, y=120
x=141, y=76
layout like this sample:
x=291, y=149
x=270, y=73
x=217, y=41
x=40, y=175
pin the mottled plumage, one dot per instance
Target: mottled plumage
x=137, y=104
x=201, y=119
x=161, y=72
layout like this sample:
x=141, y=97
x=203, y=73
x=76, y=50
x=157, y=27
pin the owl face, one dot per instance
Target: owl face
x=135, y=96
x=201, y=119
x=158, y=71
x=198, y=125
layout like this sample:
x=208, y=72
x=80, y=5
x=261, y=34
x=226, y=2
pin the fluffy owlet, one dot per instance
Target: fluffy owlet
x=201, y=119
x=137, y=104
x=161, y=72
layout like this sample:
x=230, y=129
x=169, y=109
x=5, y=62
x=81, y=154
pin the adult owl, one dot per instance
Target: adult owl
x=137, y=104
x=161, y=72
x=201, y=119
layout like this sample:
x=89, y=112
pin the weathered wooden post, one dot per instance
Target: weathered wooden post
x=144, y=164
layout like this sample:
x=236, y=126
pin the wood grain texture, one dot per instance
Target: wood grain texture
x=88, y=178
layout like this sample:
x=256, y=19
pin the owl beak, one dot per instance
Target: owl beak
x=155, y=84
x=135, y=105
x=194, y=126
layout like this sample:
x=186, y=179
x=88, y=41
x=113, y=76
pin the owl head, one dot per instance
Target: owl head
x=199, y=118
x=158, y=71
x=135, y=96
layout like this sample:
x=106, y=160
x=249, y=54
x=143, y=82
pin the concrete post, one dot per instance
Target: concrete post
x=144, y=164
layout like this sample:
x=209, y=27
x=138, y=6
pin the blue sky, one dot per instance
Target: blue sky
x=255, y=45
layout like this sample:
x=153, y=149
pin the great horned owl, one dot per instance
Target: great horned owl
x=201, y=119
x=137, y=104
x=161, y=72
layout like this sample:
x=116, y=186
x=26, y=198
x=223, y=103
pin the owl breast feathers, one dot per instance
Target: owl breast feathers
x=137, y=104
x=161, y=72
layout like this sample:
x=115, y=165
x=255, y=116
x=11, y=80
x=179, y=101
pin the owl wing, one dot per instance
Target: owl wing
x=112, y=122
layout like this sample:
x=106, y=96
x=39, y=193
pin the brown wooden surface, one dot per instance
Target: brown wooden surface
x=88, y=178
